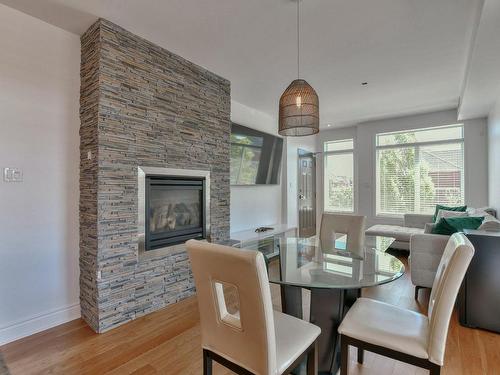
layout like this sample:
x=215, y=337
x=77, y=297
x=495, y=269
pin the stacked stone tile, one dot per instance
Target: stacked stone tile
x=141, y=105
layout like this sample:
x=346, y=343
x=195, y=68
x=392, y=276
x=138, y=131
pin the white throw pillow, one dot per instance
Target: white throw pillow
x=483, y=211
x=446, y=213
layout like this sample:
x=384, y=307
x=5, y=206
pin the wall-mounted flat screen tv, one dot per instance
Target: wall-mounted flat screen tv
x=255, y=157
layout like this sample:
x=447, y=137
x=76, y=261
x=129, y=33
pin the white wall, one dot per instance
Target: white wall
x=254, y=205
x=39, y=104
x=476, y=159
x=494, y=157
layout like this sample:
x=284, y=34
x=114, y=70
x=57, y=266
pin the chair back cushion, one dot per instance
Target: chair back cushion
x=234, y=300
x=449, y=276
x=352, y=225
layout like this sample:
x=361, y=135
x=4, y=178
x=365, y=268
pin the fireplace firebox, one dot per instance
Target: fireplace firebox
x=173, y=207
x=174, y=210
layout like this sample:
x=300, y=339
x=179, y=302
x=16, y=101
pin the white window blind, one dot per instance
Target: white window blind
x=418, y=169
x=339, y=176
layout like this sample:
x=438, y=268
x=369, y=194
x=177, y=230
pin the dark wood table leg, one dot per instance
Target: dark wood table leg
x=351, y=295
x=327, y=311
x=328, y=308
x=291, y=300
x=291, y=304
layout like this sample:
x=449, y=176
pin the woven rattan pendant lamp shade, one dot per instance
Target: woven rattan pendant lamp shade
x=299, y=104
x=299, y=110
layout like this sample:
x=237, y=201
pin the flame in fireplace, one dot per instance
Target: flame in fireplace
x=173, y=216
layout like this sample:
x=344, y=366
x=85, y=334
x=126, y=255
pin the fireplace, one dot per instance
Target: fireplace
x=173, y=206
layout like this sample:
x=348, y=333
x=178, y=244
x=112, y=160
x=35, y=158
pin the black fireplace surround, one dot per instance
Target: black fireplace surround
x=174, y=210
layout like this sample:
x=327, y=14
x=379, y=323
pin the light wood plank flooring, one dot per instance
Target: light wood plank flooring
x=168, y=342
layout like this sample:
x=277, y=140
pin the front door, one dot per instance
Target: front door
x=307, y=193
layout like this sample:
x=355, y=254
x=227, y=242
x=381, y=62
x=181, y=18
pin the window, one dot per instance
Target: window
x=418, y=169
x=339, y=176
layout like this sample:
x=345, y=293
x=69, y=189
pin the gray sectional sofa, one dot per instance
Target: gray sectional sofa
x=426, y=249
x=413, y=224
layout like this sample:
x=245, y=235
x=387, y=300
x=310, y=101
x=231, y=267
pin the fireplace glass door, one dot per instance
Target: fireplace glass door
x=174, y=211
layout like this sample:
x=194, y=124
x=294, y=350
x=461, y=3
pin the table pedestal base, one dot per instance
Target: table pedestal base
x=328, y=308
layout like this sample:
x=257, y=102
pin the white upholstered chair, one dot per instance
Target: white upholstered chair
x=407, y=335
x=239, y=328
x=351, y=225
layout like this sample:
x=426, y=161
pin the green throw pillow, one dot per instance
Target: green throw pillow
x=450, y=225
x=439, y=207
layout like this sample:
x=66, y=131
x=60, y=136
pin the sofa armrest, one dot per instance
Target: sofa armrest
x=417, y=220
x=426, y=251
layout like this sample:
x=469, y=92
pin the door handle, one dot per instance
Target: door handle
x=302, y=196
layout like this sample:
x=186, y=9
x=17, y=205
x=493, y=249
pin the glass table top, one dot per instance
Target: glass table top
x=307, y=263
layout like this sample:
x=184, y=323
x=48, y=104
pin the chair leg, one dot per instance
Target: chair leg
x=361, y=356
x=312, y=360
x=344, y=355
x=207, y=363
x=434, y=369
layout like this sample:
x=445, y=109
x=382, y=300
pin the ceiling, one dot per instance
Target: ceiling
x=412, y=53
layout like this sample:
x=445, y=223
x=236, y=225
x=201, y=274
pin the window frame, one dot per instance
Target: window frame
x=354, y=172
x=414, y=144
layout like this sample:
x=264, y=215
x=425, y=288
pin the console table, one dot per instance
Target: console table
x=264, y=242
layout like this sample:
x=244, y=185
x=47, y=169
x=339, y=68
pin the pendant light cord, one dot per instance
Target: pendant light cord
x=298, y=39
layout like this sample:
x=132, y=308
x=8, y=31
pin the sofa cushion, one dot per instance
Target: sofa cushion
x=446, y=213
x=490, y=223
x=447, y=208
x=429, y=228
x=450, y=225
x=400, y=233
x=482, y=211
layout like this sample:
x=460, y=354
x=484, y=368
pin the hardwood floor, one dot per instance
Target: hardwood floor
x=168, y=342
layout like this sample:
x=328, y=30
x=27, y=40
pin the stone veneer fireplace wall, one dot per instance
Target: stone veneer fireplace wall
x=141, y=106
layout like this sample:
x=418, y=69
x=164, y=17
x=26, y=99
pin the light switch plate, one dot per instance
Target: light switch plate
x=12, y=175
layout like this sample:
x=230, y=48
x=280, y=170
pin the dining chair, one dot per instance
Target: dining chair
x=406, y=335
x=351, y=225
x=239, y=328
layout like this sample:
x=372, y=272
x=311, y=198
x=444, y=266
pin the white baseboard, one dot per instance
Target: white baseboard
x=37, y=323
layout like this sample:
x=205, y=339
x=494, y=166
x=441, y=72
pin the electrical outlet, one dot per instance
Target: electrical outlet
x=12, y=175
x=89, y=155
x=99, y=275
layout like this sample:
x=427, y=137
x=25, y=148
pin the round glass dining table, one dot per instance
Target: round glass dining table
x=334, y=274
